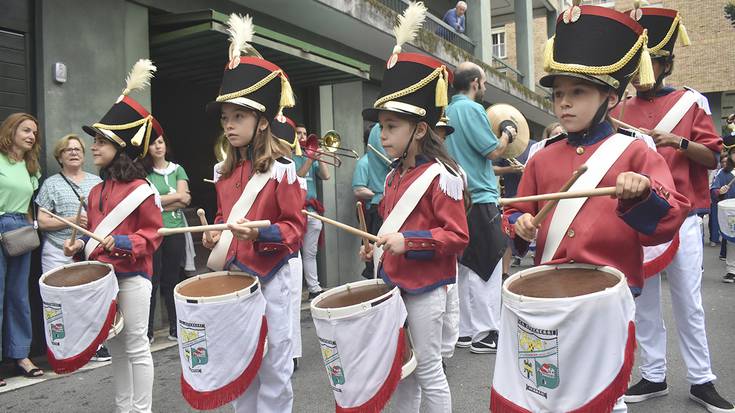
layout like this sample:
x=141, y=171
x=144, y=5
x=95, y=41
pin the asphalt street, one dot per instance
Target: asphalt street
x=469, y=375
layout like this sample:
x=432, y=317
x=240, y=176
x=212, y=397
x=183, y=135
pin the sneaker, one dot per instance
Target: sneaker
x=516, y=262
x=723, y=258
x=644, y=390
x=729, y=278
x=712, y=244
x=489, y=344
x=101, y=355
x=314, y=295
x=172, y=337
x=706, y=395
x=151, y=339
x=464, y=342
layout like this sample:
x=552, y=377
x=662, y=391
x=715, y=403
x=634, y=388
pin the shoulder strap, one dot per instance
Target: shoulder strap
x=118, y=215
x=598, y=165
x=677, y=112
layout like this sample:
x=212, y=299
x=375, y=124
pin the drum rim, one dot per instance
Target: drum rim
x=540, y=268
x=104, y=279
x=246, y=292
x=341, y=312
x=115, y=329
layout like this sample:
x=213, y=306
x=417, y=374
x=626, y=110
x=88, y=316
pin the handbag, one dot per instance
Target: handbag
x=24, y=239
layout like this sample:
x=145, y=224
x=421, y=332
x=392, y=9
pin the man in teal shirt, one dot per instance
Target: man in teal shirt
x=474, y=145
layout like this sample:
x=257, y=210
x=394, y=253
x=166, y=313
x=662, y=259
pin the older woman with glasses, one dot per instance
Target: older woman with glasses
x=61, y=194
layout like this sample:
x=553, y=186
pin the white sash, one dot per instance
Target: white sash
x=404, y=207
x=677, y=112
x=241, y=208
x=118, y=215
x=598, y=165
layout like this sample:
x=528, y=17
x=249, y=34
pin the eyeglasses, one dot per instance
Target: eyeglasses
x=70, y=150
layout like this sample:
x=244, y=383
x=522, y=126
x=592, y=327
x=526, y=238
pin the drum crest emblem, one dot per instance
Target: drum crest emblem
x=54, y=318
x=332, y=362
x=193, y=342
x=538, y=357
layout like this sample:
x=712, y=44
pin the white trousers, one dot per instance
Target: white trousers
x=132, y=364
x=296, y=286
x=52, y=257
x=425, y=319
x=479, y=302
x=270, y=391
x=685, y=280
x=450, y=324
x=309, y=251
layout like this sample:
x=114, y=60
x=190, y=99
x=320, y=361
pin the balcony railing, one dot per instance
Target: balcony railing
x=507, y=69
x=435, y=25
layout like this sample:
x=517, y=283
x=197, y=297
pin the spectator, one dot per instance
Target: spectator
x=714, y=225
x=20, y=145
x=378, y=167
x=311, y=170
x=723, y=189
x=552, y=130
x=62, y=194
x=172, y=183
x=455, y=17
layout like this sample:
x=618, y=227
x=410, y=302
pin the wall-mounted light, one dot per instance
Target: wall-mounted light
x=60, y=72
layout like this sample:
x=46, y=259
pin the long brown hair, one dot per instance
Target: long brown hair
x=7, y=132
x=265, y=148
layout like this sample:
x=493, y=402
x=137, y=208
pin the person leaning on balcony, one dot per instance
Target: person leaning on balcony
x=455, y=17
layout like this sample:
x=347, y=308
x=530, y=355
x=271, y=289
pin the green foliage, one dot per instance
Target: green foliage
x=730, y=11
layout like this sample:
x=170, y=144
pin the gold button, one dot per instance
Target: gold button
x=570, y=233
x=580, y=150
x=423, y=244
x=410, y=244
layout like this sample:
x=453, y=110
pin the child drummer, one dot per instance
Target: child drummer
x=121, y=139
x=253, y=92
x=420, y=249
x=589, y=63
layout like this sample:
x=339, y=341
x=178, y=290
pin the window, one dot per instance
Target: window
x=499, y=50
x=604, y=3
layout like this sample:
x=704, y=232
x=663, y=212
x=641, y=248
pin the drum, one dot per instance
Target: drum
x=79, y=312
x=726, y=218
x=567, y=340
x=365, y=345
x=222, y=336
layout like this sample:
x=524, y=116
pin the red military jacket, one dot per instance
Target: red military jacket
x=136, y=238
x=435, y=232
x=605, y=231
x=280, y=201
x=690, y=177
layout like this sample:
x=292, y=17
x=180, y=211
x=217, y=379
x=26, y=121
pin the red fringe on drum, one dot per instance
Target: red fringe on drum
x=213, y=399
x=603, y=402
x=660, y=263
x=378, y=402
x=71, y=364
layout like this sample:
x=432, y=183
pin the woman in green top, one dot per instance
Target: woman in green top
x=172, y=183
x=19, y=172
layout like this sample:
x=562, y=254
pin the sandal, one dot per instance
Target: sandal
x=32, y=373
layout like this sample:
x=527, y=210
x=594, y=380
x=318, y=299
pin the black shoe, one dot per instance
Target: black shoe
x=489, y=344
x=723, y=258
x=295, y=364
x=706, y=395
x=644, y=390
x=101, y=355
x=464, y=342
x=314, y=295
x=729, y=278
x=516, y=262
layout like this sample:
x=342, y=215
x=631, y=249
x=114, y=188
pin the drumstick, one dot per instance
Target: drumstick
x=79, y=215
x=627, y=126
x=84, y=231
x=605, y=191
x=363, y=226
x=203, y=220
x=551, y=204
x=729, y=184
x=215, y=227
x=209, y=181
x=380, y=154
x=342, y=226
x=622, y=106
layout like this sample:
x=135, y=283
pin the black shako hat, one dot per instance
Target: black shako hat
x=414, y=84
x=251, y=81
x=128, y=124
x=598, y=44
x=664, y=27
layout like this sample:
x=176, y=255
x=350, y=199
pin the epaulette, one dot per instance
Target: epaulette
x=283, y=166
x=451, y=182
x=702, y=100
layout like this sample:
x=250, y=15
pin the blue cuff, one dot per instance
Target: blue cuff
x=85, y=239
x=271, y=233
x=514, y=217
x=420, y=245
x=122, y=242
x=645, y=215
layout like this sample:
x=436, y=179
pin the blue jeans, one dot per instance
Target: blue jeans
x=15, y=316
x=714, y=225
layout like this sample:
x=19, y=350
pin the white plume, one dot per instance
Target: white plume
x=140, y=76
x=409, y=24
x=241, y=33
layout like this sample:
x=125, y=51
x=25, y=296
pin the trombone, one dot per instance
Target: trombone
x=330, y=142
